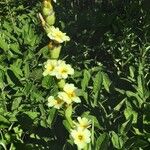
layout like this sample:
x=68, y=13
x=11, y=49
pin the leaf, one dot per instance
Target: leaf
x=118, y=107
x=16, y=70
x=98, y=80
x=42, y=110
x=3, y=144
x=132, y=94
x=132, y=70
x=125, y=127
x=1, y=78
x=116, y=140
x=32, y=115
x=67, y=125
x=93, y=118
x=140, y=86
x=141, y=143
x=106, y=82
x=85, y=96
x=4, y=123
x=51, y=116
x=129, y=111
x=11, y=78
x=47, y=82
x=7, y=26
x=16, y=103
x=36, y=74
x=102, y=142
x=86, y=79
x=15, y=47
x=3, y=44
x=68, y=114
x=26, y=70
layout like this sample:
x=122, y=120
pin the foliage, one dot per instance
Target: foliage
x=109, y=50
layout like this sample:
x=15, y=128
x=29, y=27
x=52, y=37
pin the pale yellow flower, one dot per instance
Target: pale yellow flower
x=69, y=94
x=63, y=70
x=69, y=88
x=64, y=96
x=83, y=123
x=70, y=91
x=81, y=137
x=56, y=35
x=50, y=67
x=55, y=102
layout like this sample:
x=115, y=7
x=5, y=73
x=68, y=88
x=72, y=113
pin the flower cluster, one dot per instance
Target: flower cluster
x=57, y=68
x=67, y=96
x=79, y=130
x=81, y=134
x=56, y=35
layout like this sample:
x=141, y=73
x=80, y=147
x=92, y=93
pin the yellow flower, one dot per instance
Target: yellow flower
x=81, y=137
x=69, y=94
x=50, y=67
x=64, y=96
x=83, y=123
x=70, y=91
x=56, y=35
x=55, y=102
x=63, y=70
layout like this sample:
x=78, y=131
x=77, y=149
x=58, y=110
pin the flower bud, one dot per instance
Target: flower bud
x=54, y=52
x=61, y=83
x=50, y=19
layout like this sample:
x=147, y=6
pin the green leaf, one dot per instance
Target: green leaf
x=32, y=115
x=4, y=123
x=47, y=82
x=102, y=142
x=129, y=111
x=118, y=107
x=106, y=82
x=86, y=79
x=3, y=44
x=36, y=74
x=26, y=70
x=7, y=26
x=68, y=114
x=98, y=80
x=141, y=143
x=16, y=103
x=67, y=125
x=16, y=70
x=3, y=144
x=116, y=140
x=15, y=47
x=2, y=79
x=51, y=116
x=132, y=94
x=132, y=70
x=140, y=86
x=92, y=118
x=12, y=78
x=125, y=127
x=42, y=110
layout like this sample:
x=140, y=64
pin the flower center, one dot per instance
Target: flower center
x=63, y=71
x=50, y=68
x=85, y=125
x=80, y=137
x=58, y=101
x=72, y=94
x=59, y=34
